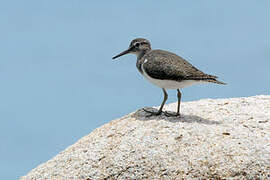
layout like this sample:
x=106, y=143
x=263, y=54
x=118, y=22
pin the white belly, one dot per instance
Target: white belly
x=170, y=84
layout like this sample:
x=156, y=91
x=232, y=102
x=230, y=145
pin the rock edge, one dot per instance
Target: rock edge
x=214, y=139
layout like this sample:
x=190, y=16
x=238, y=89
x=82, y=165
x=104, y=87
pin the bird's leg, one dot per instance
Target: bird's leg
x=179, y=95
x=161, y=106
x=178, y=105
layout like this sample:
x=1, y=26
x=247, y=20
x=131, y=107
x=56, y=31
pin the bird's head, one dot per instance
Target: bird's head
x=137, y=46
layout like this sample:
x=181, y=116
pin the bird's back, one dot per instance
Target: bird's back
x=162, y=64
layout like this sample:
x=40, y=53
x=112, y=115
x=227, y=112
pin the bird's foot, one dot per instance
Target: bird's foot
x=171, y=114
x=152, y=113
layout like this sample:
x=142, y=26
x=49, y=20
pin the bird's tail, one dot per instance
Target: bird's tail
x=213, y=80
x=209, y=78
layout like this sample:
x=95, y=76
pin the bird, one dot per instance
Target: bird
x=166, y=70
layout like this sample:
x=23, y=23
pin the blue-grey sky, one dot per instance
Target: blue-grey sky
x=58, y=81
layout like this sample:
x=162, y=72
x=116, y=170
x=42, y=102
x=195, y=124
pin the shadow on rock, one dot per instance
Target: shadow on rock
x=142, y=116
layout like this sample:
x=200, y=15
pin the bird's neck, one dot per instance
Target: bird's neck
x=142, y=53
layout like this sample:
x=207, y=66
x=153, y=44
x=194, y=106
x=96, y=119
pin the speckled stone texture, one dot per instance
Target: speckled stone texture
x=213, y=139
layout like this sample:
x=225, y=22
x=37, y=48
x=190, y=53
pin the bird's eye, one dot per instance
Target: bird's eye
x=137, y=44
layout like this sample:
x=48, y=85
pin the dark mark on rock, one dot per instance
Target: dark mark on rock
x=179, y=137
x=226, y=133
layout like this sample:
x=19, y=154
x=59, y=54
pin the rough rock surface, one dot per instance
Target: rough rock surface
x=214, y=139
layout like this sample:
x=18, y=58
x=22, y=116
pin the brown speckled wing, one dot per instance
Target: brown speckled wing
x=165, y=65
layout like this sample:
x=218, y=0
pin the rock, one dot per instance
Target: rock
x=213, y=139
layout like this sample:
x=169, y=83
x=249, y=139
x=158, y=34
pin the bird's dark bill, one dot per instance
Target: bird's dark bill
x=122, y=53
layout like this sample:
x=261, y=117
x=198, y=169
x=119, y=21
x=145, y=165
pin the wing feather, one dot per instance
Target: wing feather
x=166, y=65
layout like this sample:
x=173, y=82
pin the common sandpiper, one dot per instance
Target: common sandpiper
x=166, y=70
